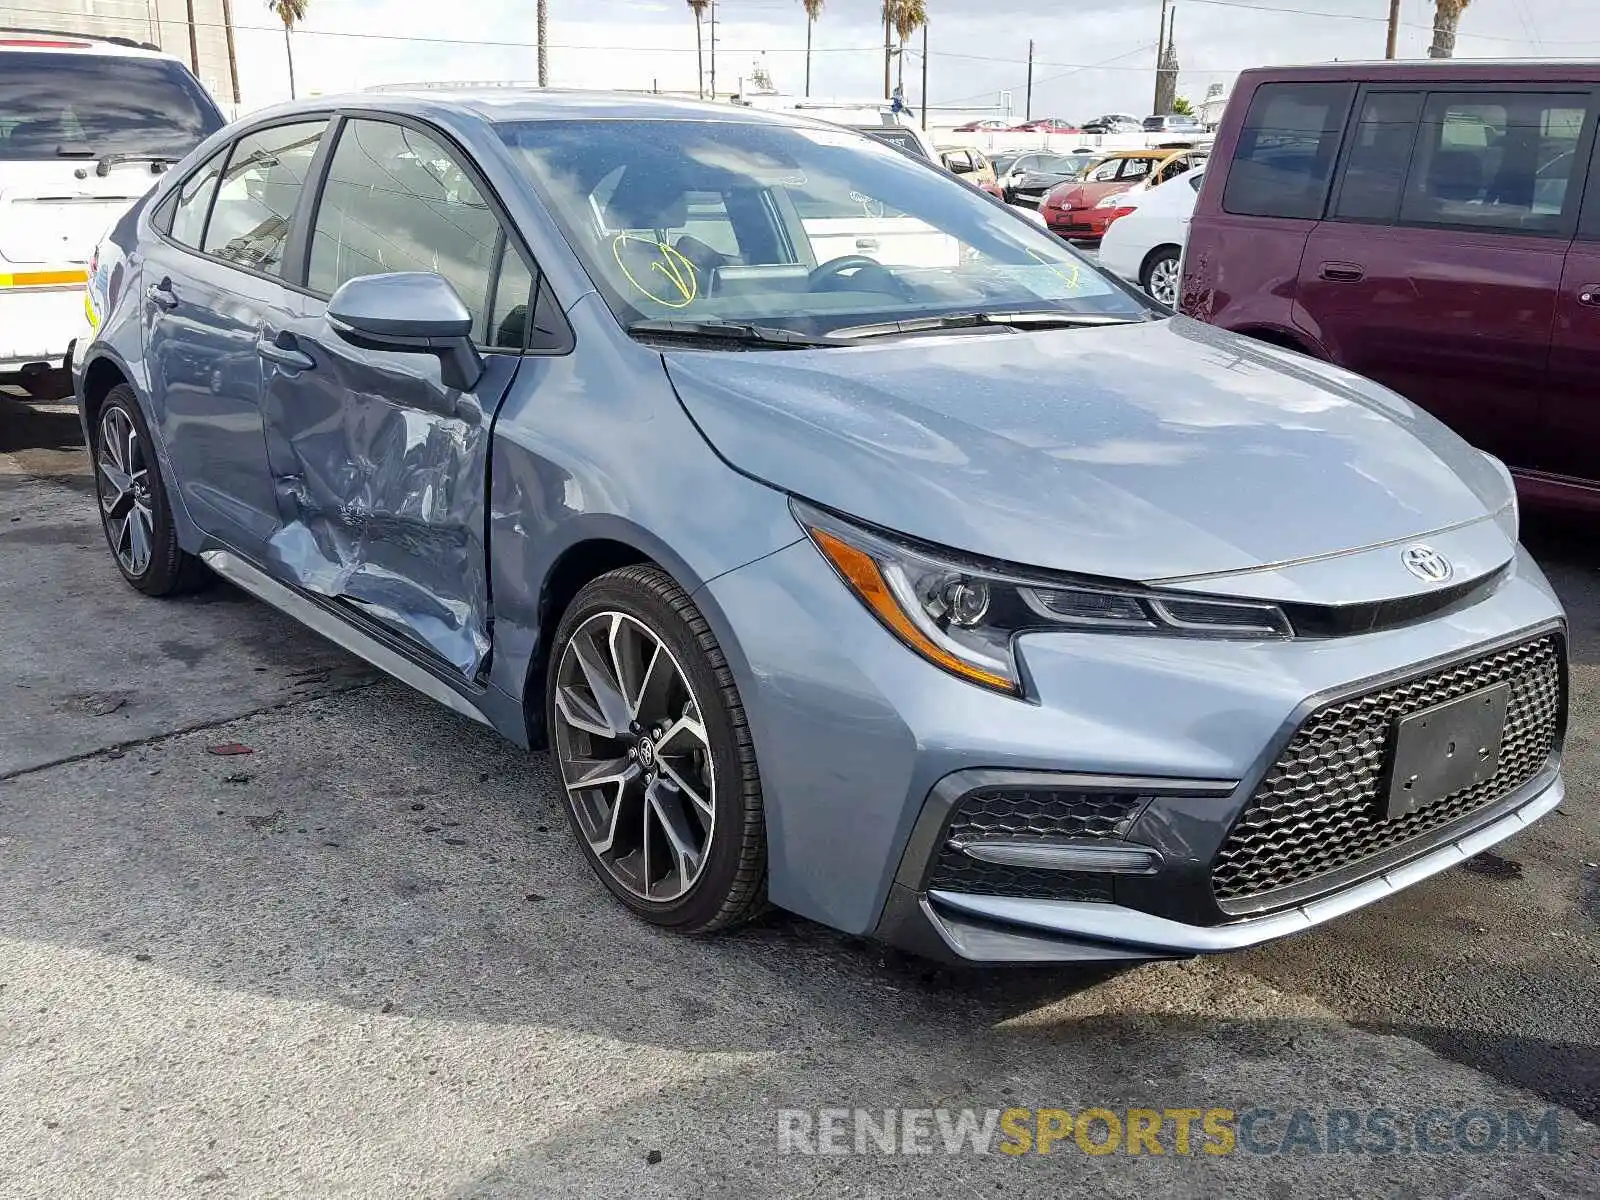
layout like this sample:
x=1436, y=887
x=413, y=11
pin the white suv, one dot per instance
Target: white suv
x=86, y=126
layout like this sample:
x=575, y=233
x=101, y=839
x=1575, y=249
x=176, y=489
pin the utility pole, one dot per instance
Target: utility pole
x=1394, y=28
x=1027, y=103
x=194, y=43
x=1161, y=54
x=233, y=58
x=924, y=75
x=888, y=85
x=713, y=49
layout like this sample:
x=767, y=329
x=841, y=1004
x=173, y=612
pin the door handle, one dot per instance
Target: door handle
x=866, y=243
x=161, y=295
x=288, y=357
x=1342, y=272
x=1589, y=294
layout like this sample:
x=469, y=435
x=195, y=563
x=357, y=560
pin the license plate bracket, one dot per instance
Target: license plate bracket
x=1446, y=748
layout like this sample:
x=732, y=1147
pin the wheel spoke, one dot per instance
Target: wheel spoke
x=684, y=734
x=686, y=789
x=138, y=539
x=671, y=820
x=581, y=713
x=606, y=690
x=596, y=772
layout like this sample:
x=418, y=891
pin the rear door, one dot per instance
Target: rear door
x=1437, y=269
x=213, y=287
x=380, y=468
x=1570, y=441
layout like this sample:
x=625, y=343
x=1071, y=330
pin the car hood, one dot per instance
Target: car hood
x=1084, y=195
x=1139, y=452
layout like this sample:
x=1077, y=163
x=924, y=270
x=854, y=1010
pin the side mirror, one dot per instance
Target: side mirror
x=409, y=312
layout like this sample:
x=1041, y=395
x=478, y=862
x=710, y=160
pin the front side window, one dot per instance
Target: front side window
x=1380, y=149
x=257, y=195
x=799, y=227
x=1287, y=146
x=1496, y=161
x=67, y=105
x=1106, y=172
x=395, y=200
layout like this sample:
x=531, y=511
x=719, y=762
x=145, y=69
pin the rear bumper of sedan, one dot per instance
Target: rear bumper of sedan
x=1152, y=797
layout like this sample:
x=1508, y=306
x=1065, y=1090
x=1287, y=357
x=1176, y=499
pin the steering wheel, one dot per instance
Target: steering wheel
x=823, y=275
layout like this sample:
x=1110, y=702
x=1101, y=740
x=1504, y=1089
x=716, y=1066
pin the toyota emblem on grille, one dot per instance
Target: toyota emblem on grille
x=1427, y=564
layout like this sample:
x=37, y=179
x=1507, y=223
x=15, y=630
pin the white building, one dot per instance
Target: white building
x=163, y=23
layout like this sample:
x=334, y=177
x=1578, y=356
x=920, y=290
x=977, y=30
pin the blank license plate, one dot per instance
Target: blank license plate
x=1444, y=749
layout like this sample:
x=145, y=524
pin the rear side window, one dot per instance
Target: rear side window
x=1504, y=161
x=193, y=202
x=91, y=105
x=1380, y=149
x=1286, y=150
x=257, y=195
x=395, y=200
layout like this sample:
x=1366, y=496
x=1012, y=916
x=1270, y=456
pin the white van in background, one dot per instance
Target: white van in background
x=86, y=126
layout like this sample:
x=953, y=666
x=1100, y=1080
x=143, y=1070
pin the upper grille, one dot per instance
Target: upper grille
x=1023, y=814
x=1319, y=809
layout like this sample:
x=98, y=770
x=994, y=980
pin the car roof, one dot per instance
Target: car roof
x=1503, y=70
x=497, y=105
x=44, y=41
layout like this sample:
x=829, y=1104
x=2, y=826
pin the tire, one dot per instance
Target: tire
x=678, y=743
x=1159, y=267
x=133, y=502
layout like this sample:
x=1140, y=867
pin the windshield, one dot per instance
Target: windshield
x=802, y=228
x=68, y=105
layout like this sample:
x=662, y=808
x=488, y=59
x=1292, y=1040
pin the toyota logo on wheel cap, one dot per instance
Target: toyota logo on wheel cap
x=1427, y=564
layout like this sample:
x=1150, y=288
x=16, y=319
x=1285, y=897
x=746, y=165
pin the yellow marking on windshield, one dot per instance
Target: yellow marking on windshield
x=1065, y=271
x=678, y=283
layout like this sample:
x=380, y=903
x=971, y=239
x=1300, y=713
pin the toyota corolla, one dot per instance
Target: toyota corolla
x=931, y=584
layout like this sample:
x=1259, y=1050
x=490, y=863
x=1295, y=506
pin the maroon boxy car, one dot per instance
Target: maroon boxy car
x=1435, y=226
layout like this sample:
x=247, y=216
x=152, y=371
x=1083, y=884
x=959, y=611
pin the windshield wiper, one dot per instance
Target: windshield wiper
x=1045, y=318
x=158, y=162
x=728, y=331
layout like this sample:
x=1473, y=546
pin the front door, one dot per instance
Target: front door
x=1569, y=443
x=210, y=287
x=380, y=468
x=1443, y=286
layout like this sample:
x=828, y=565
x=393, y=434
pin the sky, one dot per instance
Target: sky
x=1091, y=56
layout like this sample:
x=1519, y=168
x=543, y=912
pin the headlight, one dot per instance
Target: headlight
x=962, y=616
x=1509, y=516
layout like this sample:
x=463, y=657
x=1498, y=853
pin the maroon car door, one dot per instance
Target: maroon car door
x=1571, y=445
x=1437, y=269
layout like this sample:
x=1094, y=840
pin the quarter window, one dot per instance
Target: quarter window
x=395, y=200
x=513, y=293
x=1375, y=167
x=1495, y=161
x=257, y=195
x=193, y=202
x=1286, y=149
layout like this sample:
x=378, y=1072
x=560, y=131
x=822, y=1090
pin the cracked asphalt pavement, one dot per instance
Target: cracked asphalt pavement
x=365, y=958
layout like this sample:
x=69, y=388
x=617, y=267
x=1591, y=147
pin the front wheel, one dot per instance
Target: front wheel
x=1161, y=277
x=655, y=754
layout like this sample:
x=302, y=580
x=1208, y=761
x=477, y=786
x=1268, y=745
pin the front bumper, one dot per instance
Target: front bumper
x=862, y=747
x=1076, y=223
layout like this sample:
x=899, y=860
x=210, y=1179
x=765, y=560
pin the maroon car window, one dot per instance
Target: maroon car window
x=1375, y=164
x=1284, y=157
x=1496, y=161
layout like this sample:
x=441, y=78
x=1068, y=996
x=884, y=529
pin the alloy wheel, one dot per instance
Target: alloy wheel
x=635, y=757
x=122, y=478
x=1163, y=285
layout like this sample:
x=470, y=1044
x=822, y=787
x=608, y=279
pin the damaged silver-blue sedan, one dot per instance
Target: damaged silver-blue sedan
x=854, y=545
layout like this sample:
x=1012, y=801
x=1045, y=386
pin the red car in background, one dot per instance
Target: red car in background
x=988, y=125
x=1045, y=125
x=1083, y=210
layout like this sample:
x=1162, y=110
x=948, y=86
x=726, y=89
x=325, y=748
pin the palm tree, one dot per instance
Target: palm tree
x=699, y=7
x=290, y=12
x=541, y=23
x=905, y=17
x=813, y=11
x=1446, y=17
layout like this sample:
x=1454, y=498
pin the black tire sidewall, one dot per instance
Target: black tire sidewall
x=620, y=592
x=1151, y=263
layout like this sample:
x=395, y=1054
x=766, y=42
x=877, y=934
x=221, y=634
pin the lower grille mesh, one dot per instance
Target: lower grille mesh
x=1024, y=814
x=1319, y=808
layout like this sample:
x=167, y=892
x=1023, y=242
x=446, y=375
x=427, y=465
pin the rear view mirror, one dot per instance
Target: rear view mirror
x=409, y=312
